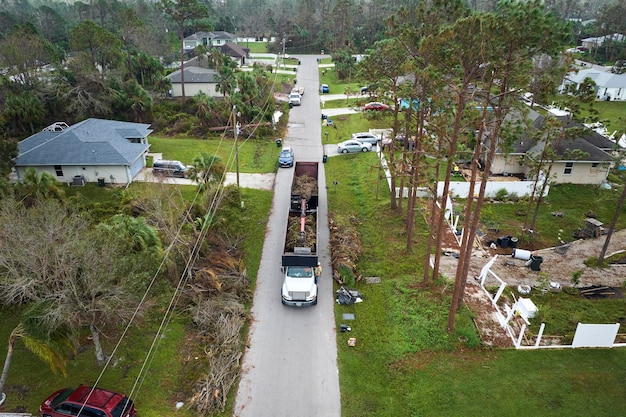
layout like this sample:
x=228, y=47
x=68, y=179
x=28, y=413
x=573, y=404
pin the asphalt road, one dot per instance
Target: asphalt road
x=290, y=365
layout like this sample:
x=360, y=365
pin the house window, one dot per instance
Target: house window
x=135, y=140
x=568, y=168
x=59, y=170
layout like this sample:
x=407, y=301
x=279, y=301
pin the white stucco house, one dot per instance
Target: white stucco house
x=609, y=86
x=208, y=39
x=93, y=150
x=594, y=42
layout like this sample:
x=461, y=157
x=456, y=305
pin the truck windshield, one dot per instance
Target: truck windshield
x=299, y=272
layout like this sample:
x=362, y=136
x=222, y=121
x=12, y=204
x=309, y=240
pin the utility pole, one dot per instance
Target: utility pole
x=235, y=130
x=284, y=34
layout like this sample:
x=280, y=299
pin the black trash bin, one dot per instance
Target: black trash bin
x=100, y=182
x=513, y=242
x=324, y=158
x=535, y=262
x=279, y=143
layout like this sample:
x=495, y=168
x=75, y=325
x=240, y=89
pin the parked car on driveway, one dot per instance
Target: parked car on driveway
x=286, y=157
x=170, y=168
x=353, y=146
x=92, y=401
x=376, y=106
x=324, y=88
x=365, y=137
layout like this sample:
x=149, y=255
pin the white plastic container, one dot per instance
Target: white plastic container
x=522, y=254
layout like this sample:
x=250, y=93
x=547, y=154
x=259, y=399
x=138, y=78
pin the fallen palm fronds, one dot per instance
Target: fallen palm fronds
x=345, y=247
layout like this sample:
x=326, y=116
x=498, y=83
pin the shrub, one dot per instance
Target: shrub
x=501, y=194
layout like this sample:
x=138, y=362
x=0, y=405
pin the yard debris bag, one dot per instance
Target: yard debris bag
x=347, y=297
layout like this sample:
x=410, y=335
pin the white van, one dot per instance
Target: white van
x=170, y=168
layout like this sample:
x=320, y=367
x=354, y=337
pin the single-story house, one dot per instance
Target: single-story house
x=208, y=39
x=609, y=86
x=591, y=43
x=94, y=150
x=235, y=52
x=197, y=80
x=592, y=168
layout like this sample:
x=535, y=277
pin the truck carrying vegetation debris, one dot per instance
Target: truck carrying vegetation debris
x=300, y=252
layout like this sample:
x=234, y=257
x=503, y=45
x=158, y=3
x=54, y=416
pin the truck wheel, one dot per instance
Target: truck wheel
x=364, y=149
x=344, y=151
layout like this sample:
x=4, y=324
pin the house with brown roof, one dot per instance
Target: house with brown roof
x=591, y=165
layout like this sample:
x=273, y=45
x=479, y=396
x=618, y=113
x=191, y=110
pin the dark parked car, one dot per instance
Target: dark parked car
x=94, y=402
x=286, y=157
x=376, y=106
x=170, y=168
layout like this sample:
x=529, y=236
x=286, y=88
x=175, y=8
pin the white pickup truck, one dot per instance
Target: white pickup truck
x=295, y=99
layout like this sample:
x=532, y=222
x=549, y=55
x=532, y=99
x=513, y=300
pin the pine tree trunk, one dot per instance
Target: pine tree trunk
x=609, y=234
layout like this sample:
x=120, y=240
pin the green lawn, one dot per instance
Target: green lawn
x=255, y=47
x=406, y=364
x=255, y=155
x=346, y=124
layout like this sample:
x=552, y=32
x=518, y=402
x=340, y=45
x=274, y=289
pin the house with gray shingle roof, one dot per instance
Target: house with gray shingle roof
x=590, y=167
x=609, y=86
x=208, y=39
x=93, y=150
x=197, y=80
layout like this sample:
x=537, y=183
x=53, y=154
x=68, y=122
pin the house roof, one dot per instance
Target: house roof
x=223, y=35
x=233, y=50
x=198, y=36
x=603, y=79
x=218, y=34
x=90, y=142
x=194, y=75
x=617, y=37
x=590, y=142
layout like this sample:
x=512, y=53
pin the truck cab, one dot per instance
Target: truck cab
x=299, y=287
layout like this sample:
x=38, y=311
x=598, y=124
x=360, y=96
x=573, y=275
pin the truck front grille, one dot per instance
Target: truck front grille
x=299, y=295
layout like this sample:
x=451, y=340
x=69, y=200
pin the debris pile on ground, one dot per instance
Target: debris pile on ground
x=345, y=247
x=217, y=293
x=346, y=296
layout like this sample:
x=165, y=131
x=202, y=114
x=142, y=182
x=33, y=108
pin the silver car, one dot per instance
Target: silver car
x=353, y=146
x=365, y=137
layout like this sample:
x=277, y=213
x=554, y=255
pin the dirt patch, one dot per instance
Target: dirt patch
x=559, y=265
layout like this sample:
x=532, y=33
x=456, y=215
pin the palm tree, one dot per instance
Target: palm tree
x=205, y=168
x=36, y=186
x=48, y=346
x=206, y=104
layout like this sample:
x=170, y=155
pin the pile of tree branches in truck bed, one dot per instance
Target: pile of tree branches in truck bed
x=294, y=238
x=305, y=186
